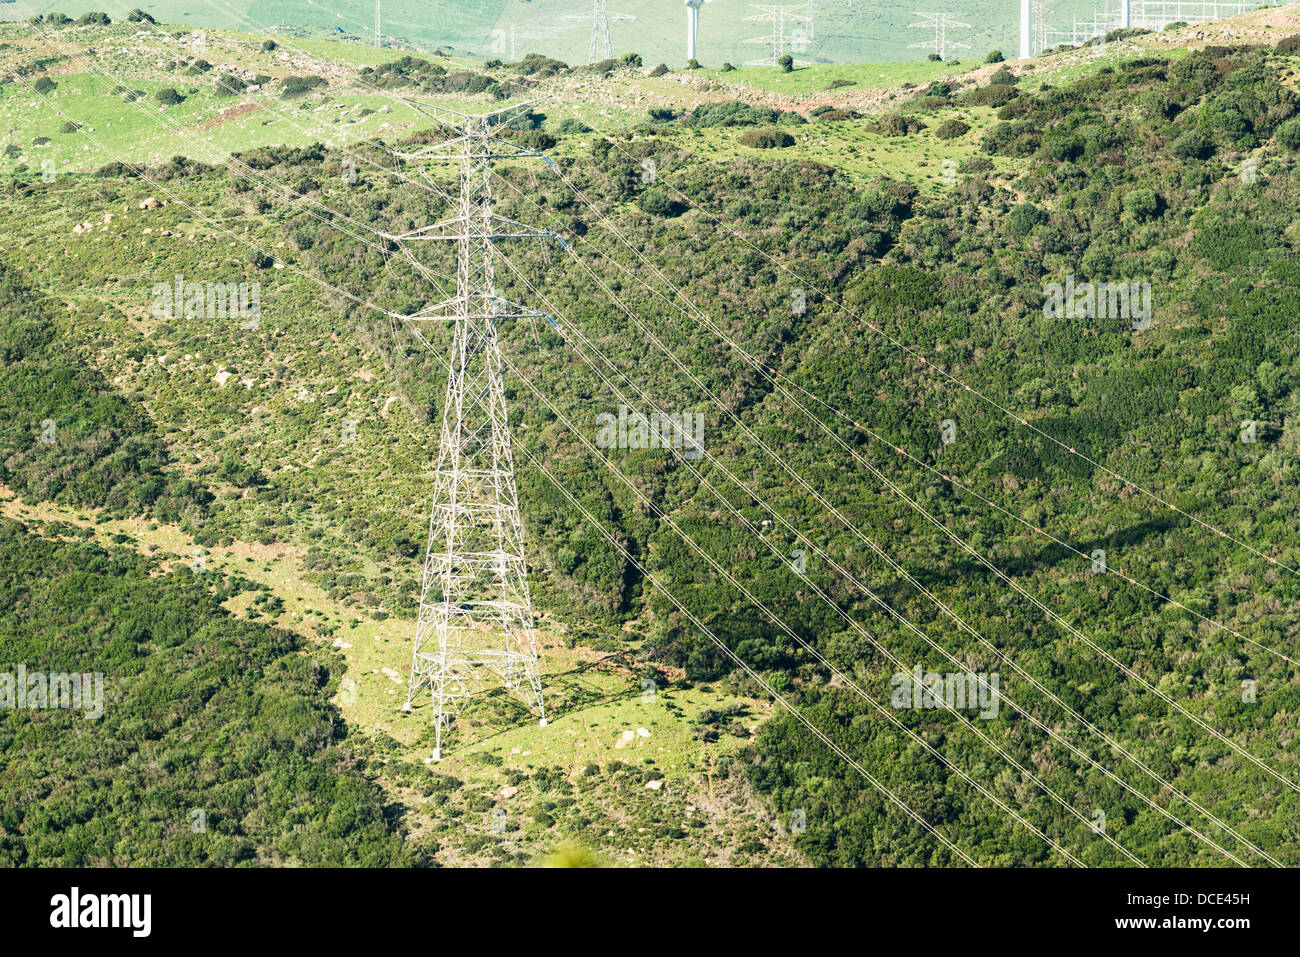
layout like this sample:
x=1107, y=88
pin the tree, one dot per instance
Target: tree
x=1142, y=203
x=1288, y=134
x=786, y=63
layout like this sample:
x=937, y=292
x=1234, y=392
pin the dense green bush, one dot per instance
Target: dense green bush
x=1142, y=203
x=766, y=139
x=295, y=86
x=1023, y=218
x=995, y=94
x=896, y=124
x=1193, y=145
x=1288, y=135
x=951, y=129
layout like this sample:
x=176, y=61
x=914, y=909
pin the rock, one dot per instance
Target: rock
x=642, y=733
x=150, y=203
x=509, y=792
x=654, y=785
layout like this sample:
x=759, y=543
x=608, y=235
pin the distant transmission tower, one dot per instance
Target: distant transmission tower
x=476, y=616
x=790, y=28
x=1039, y=27
x=940, y=22
x=601, y=46
x=378, y=34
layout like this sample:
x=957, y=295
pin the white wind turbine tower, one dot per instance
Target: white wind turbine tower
x=693, y=27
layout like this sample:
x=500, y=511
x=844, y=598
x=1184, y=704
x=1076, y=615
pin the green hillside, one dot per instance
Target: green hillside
x=911, y=461
x=843, y=31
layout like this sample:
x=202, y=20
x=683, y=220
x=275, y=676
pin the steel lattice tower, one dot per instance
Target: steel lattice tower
x=476, y=615
x=780, y=38
x=601, y=46
x=941, y=22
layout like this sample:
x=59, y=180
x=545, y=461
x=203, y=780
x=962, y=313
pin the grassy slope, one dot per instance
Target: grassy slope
x=581, y=768
x=846, y=31
x=589, y=731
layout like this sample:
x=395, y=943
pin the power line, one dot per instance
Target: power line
x=475, y=618
x=790, y=30
x=940, y=22
x=601, y=46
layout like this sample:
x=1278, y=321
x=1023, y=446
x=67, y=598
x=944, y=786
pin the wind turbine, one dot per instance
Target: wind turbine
x=693, y=26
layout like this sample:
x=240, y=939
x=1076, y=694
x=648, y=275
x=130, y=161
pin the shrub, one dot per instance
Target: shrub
x=975, y=164
x=1023, y=218
x=269, y=45
x=730, y=113
x=44, y=85
x=294, y=86
x=951, y=129
x=995, y=56
x=1143, y=203
x=1288, y=135
x=1154, y=104
x=1193, y=145
x=995, y=94
x=895, y=125
x=1018, y=138
x=168, y=96
x=93, y=18
x=1017, y=109
x=230, y=85
x=537, y=140
x=657, y=202
x=139, y=16
x=1062, y=146
x=660, y=70
x=767, y=139
x=786, y=63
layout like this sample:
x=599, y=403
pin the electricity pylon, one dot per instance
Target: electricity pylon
x=941, y=22
x=476, y=615
x=795, y=37
x=601, y=46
